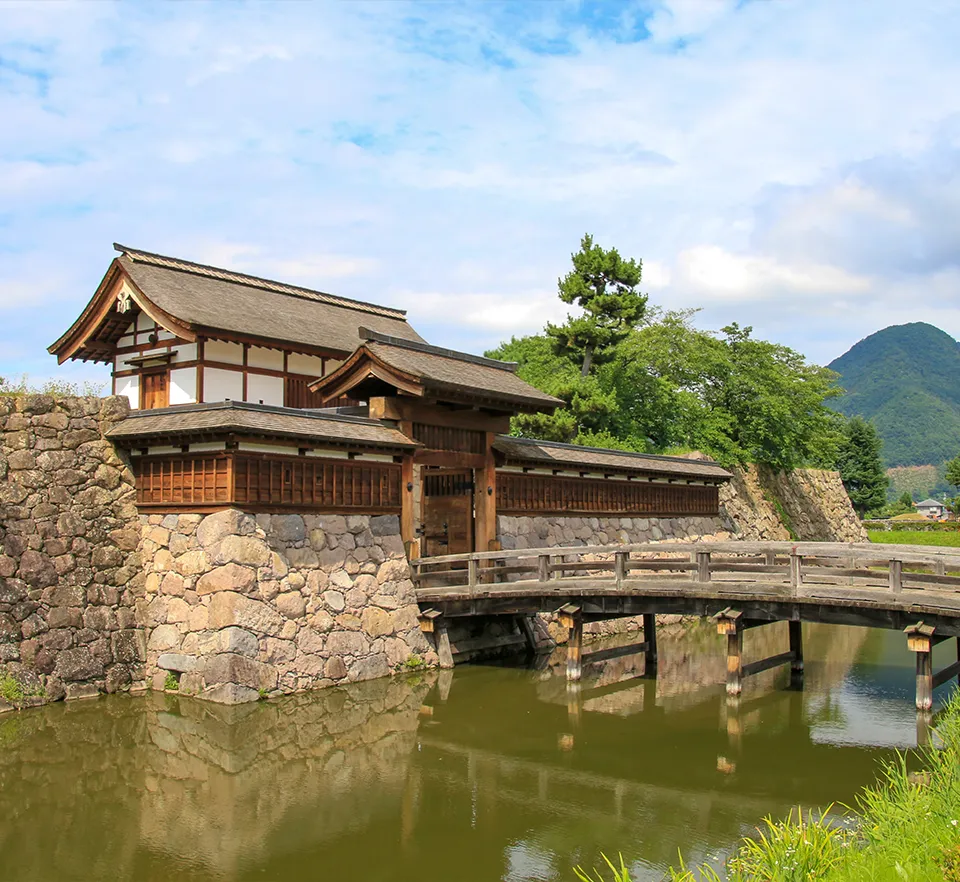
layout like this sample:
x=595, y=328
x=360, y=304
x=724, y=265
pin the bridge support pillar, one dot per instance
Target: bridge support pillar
x=571, y=617
x=796, y=648
x=920, y=640
x=730, y=622
x=650, y=638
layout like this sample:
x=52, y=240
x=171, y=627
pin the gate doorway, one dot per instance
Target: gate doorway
x=447, y=514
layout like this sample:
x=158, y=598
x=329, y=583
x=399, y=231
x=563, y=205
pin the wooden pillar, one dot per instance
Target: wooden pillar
x=620, y=560
x=525, y=623
x=485, y=500
x=650, y=638
x=796, y=647
x=407, y=533
x=796, y=570
x=920, y=641
x=432, y=622
x=703, y=566
x=896, y=576
x=571, y=617
x=543, y=567
x=729, y=623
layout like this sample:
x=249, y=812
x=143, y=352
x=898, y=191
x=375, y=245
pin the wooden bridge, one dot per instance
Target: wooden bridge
x=741, y=585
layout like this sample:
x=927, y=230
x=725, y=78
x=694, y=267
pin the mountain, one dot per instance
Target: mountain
x=905, y=378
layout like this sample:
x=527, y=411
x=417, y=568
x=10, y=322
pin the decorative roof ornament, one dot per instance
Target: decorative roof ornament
x=123, y=300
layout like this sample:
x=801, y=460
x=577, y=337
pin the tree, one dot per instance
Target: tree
x=953, y=472
x=604, y=286
x=860, y=466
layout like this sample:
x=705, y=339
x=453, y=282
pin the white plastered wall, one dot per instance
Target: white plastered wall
x=130, y=387
x=183, y=386
x=219, y=385
x=265, y=390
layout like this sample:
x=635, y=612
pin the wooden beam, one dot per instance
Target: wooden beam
x=796, y=646
x=650, y=638
x=773, y=661
x=407, y=533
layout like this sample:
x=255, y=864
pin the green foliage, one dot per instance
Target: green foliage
x=858, y=461
x=413, y=662
x=171, y=683
x=669, y=385
x=620, y=874
x=921, y=482
x=903, y=378
x=60, y=388
x=952, y=472
x=604, y=286
x=14, y=692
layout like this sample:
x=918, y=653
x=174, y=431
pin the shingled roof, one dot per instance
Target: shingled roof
x=200, y=420
x=415, y=368
x=572, y=457
x=192, y=298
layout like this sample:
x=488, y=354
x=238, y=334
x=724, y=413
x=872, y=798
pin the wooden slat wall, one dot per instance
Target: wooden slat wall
x=296, y=394
x=266, y=481
x=547, y=494
x=450, y=438
x=261, y=481
x=188, y=481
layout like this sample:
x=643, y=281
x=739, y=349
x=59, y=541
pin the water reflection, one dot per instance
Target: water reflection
x=487, y=773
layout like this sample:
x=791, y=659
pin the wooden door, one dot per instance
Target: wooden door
x=155, y=392
x=447, y=511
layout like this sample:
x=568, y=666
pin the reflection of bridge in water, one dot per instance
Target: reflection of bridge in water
x=742, y=585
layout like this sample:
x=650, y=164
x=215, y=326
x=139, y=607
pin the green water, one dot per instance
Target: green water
x=486, y=773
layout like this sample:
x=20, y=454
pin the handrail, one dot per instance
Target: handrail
x=806, y=562
x=879, y=551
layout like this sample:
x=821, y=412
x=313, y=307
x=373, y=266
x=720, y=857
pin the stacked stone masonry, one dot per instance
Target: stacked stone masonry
x=70, y=572
x=240, y=606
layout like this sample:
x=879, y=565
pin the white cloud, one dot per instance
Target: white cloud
x=447, y=159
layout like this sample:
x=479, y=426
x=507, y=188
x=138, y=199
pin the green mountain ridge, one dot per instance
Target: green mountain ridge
x=904, y=378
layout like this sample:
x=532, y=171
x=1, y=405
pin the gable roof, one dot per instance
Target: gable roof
x=384, y=362
x=930, y=503
x=243, y=418
x=191, y=299
x=573, y=457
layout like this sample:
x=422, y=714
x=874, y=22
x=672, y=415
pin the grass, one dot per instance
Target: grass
x=904, y=827
x=915, y=537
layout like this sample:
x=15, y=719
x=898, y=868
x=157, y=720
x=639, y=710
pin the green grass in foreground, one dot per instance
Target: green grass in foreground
x=916, y=537
x=905, y=827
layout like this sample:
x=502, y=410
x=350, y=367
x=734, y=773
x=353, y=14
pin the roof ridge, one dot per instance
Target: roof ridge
x=375, y=337
x=229, y=404
x=635, y=453
x=227, y=275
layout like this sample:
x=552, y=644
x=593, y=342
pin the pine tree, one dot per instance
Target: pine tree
x=860, y=466
x=604, y=286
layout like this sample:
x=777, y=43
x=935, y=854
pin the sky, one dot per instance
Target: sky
x=794, y=166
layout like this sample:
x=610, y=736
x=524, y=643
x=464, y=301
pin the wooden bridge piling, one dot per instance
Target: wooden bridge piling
x=571, y=617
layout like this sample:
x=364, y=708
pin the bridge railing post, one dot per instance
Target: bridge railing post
x=796, y=569
x=620, y=559
x=472, y=574
x=896, y=576
x=703, y=566
x=543, y=567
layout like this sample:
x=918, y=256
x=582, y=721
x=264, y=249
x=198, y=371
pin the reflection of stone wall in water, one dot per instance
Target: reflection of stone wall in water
x=210, y=784
x=333, y=757
x=239, y=605
x=69, y=569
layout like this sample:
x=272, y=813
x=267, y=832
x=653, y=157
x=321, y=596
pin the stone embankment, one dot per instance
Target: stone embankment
x=70, y=573
x=239, y=606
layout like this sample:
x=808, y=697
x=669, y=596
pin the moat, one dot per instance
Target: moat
x=485, y=773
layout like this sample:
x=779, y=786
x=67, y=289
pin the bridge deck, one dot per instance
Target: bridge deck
x=743, y=584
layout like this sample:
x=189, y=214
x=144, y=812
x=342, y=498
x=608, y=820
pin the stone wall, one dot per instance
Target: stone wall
x=240, y=606
x=757, y=504
x=69, y=569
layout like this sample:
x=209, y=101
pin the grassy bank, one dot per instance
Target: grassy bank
x=916, y=537
x=905, y=827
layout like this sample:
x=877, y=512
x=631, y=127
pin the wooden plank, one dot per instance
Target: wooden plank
x=948, y=673
x=599, y=655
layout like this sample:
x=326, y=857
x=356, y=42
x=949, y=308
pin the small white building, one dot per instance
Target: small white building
x=930, y=508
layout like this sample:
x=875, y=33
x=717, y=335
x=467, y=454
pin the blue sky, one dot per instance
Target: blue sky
x=790, y=165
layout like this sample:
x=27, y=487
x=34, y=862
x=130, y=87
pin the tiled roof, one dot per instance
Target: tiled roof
x=442, y=371
x=257, y=419
x=208, y=297
x=547, y=454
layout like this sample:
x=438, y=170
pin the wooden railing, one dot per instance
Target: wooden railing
x=892, y=567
